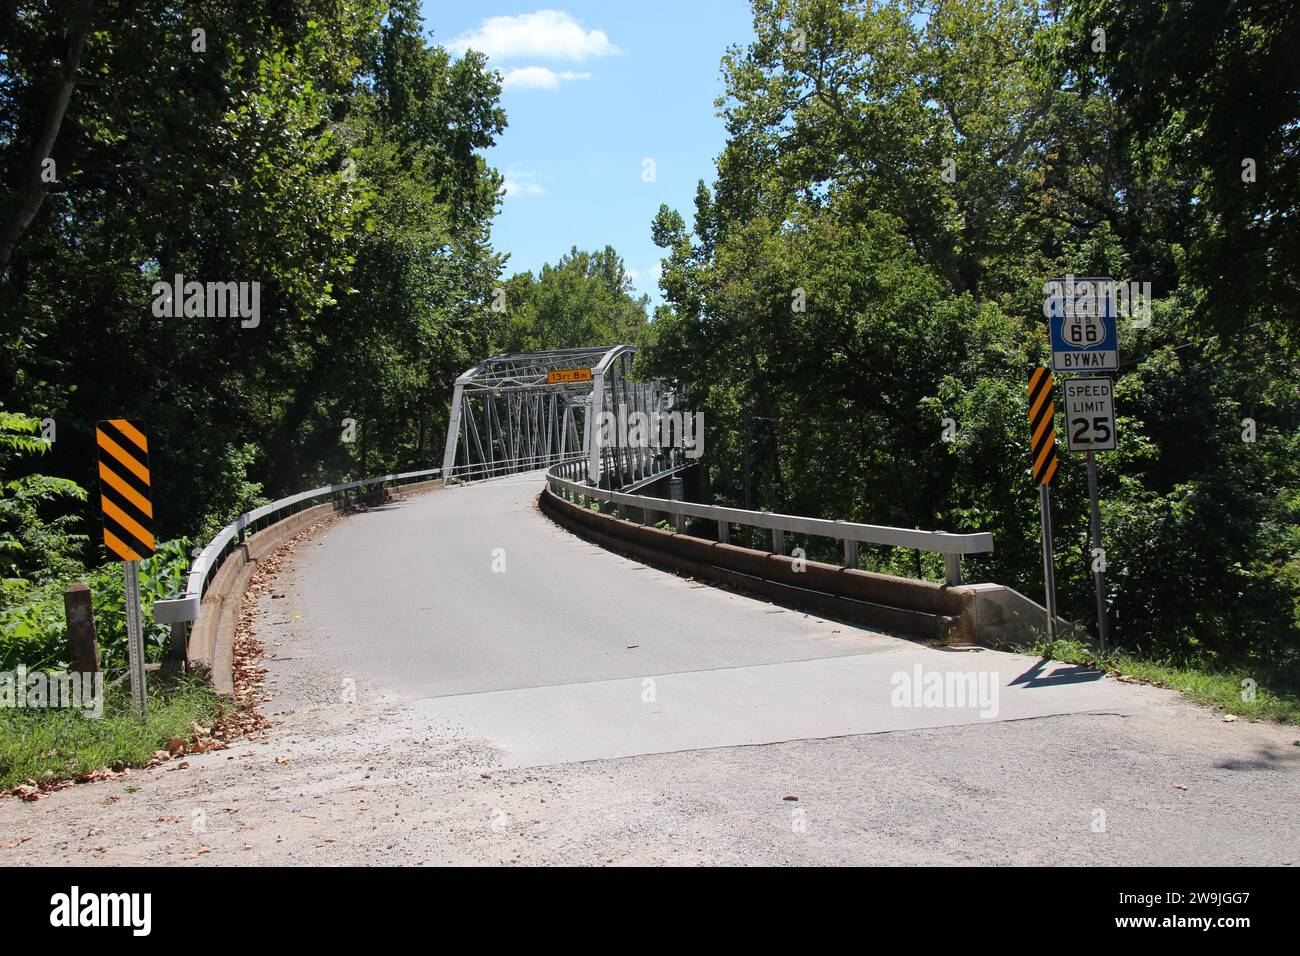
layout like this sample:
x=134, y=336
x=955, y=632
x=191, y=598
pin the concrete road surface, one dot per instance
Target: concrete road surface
x=456, y=679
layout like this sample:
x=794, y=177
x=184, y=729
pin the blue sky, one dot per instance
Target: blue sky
x=592, y=91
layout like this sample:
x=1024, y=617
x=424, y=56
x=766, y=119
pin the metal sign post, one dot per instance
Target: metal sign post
x=1049, y=572
x=1098, y=562
x=135, y=638
x=1042, y=430
x=1090, y=428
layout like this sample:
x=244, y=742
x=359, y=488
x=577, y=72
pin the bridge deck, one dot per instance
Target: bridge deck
x=547, y=660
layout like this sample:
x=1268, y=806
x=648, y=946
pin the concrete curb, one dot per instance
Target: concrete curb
x=212, y=637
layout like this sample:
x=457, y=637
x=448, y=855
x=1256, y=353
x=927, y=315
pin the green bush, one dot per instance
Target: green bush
x=32, y=628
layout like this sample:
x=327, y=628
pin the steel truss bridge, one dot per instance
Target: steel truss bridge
x=512, y=413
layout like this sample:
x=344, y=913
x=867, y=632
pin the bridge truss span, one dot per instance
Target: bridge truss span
x=523, y=411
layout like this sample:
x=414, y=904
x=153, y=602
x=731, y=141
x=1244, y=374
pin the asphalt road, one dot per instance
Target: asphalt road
x=578, y=707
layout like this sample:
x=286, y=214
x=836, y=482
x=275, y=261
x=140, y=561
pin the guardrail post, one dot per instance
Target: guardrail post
x=850, y=553
x=778, y=541
x=724, y=532
x=676, y=492
x=177, y=649
x=952, y=569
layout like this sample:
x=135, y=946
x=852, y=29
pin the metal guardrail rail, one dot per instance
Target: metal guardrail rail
x=562, y=480
x=186, y=607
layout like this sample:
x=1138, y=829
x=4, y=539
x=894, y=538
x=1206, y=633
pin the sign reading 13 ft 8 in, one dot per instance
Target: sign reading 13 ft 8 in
x=1081, y=314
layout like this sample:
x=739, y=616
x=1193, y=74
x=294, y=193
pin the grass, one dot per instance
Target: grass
x=47, y=745
x=1276, y=696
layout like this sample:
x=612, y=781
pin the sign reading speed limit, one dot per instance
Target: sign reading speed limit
x=1090, y=414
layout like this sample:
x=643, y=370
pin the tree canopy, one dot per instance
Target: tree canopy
x=858, y=300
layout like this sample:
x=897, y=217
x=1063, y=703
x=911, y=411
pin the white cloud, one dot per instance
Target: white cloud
x=538, y=78
x=522, y=182
x=551, y=34
x=514, y=188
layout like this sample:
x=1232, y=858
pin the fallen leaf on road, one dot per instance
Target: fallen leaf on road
x=1180, y=786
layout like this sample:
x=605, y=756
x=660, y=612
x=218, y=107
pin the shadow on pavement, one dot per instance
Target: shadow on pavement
x=1064, y=674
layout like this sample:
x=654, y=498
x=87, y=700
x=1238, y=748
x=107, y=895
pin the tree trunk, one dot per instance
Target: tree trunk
x=32, y=189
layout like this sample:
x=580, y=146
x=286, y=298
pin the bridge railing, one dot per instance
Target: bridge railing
x=565, y=480
x=186, y=607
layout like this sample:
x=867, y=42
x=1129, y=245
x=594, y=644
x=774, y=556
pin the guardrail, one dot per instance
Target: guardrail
x=562, y=481
x=186, y=607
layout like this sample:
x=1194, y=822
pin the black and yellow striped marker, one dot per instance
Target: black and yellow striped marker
x=1042, y=428
x=125, y=496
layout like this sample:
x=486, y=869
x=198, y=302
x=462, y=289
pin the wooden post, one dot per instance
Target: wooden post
x=79, y=611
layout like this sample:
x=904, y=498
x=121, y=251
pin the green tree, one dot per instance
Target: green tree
x=584, y=299
x=33, y=545
x=898, y=182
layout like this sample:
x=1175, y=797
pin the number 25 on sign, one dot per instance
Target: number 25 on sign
x=1090, y=414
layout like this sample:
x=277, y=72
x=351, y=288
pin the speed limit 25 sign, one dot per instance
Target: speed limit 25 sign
x=1090, y=414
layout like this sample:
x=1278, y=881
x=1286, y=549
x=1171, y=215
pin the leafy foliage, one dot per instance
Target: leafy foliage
x=899, y=181
x=32, y=627
x=322, y=149
x=584, y=299
x=32, y=543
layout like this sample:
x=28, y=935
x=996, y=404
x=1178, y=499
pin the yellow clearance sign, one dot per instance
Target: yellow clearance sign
x=565, y=376
x=125, y=496
x=1042, y=427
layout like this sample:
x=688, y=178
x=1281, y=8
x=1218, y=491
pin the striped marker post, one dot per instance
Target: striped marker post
x=126, y=506
x=1042, y=430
